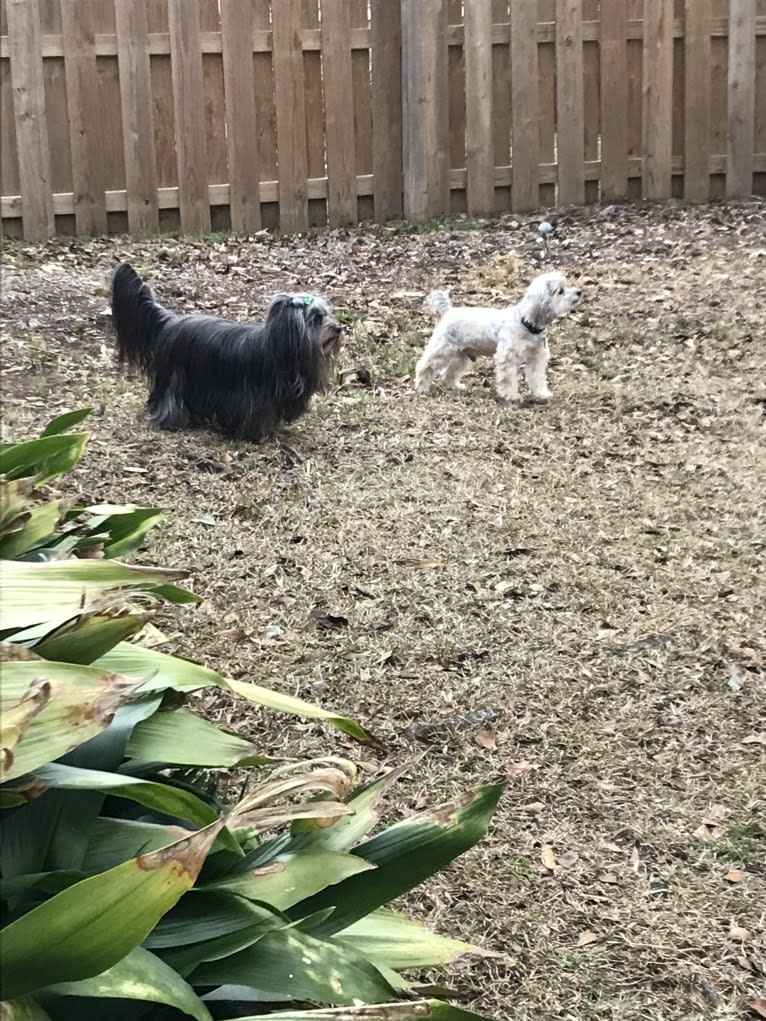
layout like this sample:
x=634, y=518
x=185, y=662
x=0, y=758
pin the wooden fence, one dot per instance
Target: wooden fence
x=213, y=114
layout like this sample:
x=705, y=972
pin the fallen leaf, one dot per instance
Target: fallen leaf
x=328, y=621
x=205, y=519
x=735, y=876
x=755, y=739
x=487, y=739
x=548, y=858
x=568, y=859
x=424, y=564
x=609, y=877
x=585, y=938
x=738, y=933
x=758, y=1005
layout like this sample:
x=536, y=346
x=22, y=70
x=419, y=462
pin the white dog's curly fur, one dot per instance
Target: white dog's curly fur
x=514, y=335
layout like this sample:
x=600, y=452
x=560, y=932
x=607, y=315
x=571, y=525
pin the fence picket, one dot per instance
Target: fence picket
x=658, y=100
x=424, y=108
x=741, y=133
x=569, y=102
x=614, y=101
x=79, y=35
x=188, y=96
x=31, y=125
x=339, y=112
x=137, y=115
x=385, y=41
x=697, y=98
x=479, y=144
x=525, y=132
x=291, y=116
x=242, y=133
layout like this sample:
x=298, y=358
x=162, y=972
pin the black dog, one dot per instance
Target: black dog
x=243, y=379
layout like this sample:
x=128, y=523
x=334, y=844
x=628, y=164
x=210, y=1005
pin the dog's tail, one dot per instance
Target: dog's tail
x=137, y=318
x=439, y=302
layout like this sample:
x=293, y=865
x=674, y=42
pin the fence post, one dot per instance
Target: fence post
x=657, y=171
x=188, y=99
x=697, y=100
x=83, y=95
x=137, y=115
x=425, y=109
x=385, y=42
x=741, y=128
x=290, y=102
x=479, y=149
x=569, y=103
x=31, y=125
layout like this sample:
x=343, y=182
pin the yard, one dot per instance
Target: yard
x=570, y=597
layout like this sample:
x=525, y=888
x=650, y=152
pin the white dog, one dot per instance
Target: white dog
x=514, y=335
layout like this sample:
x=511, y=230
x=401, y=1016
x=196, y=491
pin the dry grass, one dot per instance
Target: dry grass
x=592, y=570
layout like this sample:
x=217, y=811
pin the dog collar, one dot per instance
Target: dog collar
x=537, y=330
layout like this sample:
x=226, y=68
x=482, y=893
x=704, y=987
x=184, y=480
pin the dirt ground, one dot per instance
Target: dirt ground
x=570, y=597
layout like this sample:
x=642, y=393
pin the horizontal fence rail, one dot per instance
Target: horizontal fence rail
x=200, y=115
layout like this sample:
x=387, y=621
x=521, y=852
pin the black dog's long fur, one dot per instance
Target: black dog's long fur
x=243, y=379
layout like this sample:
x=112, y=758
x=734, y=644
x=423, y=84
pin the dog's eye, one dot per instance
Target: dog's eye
x=561, y=290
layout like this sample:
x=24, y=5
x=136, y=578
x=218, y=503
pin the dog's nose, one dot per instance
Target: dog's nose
x=578, y=292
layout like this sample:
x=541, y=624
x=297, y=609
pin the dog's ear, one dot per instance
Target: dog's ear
x=552, y=286
x=535, y=313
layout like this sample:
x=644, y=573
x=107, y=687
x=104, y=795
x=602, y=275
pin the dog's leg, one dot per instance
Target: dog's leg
x=536, y=375
x=507, y=372
x=424, y=375
x=457, y=368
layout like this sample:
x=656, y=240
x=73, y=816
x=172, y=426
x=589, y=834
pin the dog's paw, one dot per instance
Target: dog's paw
x=541, y=396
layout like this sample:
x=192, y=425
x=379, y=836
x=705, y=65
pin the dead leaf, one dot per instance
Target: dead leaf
x=424, y=564
x=585, y=938
x=755, y=739
x=548, y=858
x=328, y=621
x=738, y=933
x=609, y=877
x=735, y=876
x=758, y=1005
x=487, y=739
x=568, y=859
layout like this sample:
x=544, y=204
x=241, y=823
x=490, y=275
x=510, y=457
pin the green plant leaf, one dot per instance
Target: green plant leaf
x=113, y=841
x=43, y=458
x=61, y=423
x=393, y=940
x=405, y=855
x=407, y=1010
x=55, y=591
x=159, y=797
x=205, y=915
x=186, y=959
x=89, y=636
x=127, y=529
x=139, y=976
x=80, y=703
x=39, y=525
x=292, y=877
x=292, y=962
x=184, y=675
x=181, y=738
x=92, y=925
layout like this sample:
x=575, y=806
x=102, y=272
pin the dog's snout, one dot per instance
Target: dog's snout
x=578, y=292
